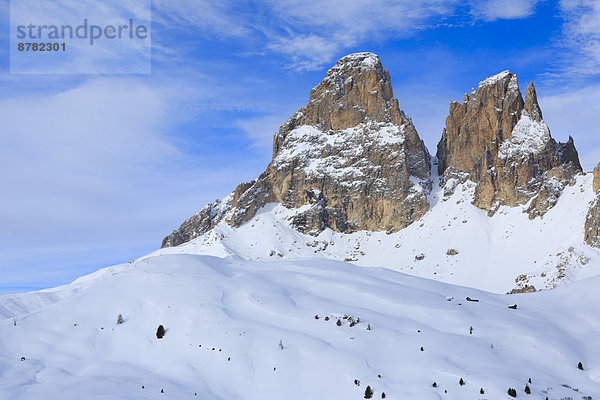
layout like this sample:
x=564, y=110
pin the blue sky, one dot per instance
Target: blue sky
x=96, y=169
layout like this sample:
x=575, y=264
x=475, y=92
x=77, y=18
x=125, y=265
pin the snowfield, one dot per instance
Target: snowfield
x=225, y=317
x=455, y=242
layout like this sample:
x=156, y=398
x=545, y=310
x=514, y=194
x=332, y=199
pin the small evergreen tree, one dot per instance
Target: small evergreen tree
x=160, y=332
x=512, y=392
x=434, y=384
x=368, y=392
x=527, y=389
x=580, y=366
x=383, y=395
x=120, y=319
x=281, y=344
x=461, y=382
x=338, y=323
x=481, y=391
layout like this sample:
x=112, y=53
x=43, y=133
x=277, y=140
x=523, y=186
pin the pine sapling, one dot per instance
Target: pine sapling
x=120, y=319
x=160, y=332
x=368, y=392
x=281, y=344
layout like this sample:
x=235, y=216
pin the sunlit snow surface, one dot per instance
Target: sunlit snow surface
x=492, y=251
x=74, y=349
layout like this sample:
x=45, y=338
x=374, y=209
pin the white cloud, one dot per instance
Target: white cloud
x=582, y=35
x=492, y=10
x=93, y=172
x=310, y=32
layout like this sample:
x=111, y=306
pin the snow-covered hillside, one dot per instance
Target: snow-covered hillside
x=496, y=253
x=225, y=319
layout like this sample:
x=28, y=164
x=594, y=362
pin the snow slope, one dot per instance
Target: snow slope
x=225, y=318
x=495, y=254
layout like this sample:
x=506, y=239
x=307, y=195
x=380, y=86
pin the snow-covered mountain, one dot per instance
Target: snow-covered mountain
x=503, y=207
x=355, y=263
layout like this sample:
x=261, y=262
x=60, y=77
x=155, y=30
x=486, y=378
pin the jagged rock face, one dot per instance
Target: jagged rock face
x=596, y=182
x=592, y=219
x=349, y=160
x=501, y=143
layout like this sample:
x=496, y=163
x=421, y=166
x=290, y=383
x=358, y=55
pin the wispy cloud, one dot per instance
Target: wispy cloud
x=582, y=35
x=491, y=10
x=309, y=33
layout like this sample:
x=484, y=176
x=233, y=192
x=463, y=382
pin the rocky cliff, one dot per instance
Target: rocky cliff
x=348, y=160
x=592, y=219
x=500, y=141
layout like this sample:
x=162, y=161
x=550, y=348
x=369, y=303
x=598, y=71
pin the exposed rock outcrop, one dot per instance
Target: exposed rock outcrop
x=592, y=219
x=348, y=160
x=501, y=143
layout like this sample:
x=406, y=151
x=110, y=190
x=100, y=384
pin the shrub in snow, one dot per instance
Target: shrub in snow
x=368, y=392
x=160, y=332
x=326, y=318
x=451, y=252
x=368, y=327
x=383, y=395
x=580, y=366
x=527, y=389
x=14, y=321
x=281, y=344
x=422, y=349
x=529, y=380
x=317, y=316
x=434, y=384
x=461, y=382
x=481, y=391
x=338, y=323
x=120, y=319
x=357, y=382
x=512, y=392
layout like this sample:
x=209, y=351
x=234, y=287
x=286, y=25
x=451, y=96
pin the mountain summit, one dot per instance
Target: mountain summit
x=348, y=160
x=501, y=143
x=509, y=209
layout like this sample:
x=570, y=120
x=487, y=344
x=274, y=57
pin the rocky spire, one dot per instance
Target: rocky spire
x=348, y=160
x=501, y=143
x=531, y=103
x=592, y=220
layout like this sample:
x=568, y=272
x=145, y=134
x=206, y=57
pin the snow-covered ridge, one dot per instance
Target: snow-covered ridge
x=492, y=253
x=494, y=78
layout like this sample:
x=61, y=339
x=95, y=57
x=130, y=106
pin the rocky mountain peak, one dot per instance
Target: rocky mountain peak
x=355, y=90
x=531, y=103
x=348, y=160
x=501, y=143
